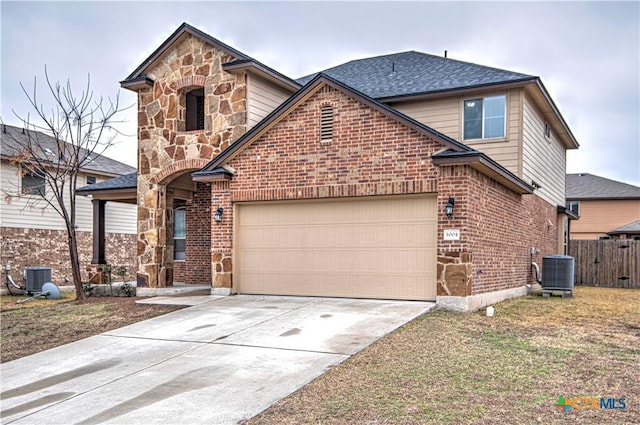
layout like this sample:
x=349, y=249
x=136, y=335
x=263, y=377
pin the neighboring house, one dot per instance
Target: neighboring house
x=608, y=209
x=405, y=176
x=33, y=234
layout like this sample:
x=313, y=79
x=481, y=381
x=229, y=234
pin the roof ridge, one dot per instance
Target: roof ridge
x=99, y=162
x=604, y=178
x=475, y=64
x=417, y=52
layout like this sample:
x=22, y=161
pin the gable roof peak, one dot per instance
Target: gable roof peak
x=184, y=28
x=138, y=77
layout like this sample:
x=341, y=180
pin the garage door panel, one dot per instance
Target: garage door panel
x=377, y=248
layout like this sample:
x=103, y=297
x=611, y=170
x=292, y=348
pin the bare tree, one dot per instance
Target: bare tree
x=82, y=128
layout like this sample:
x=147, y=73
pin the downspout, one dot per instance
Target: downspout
x=534, y=267
x=10, y=283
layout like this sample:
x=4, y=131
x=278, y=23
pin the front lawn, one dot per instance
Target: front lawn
x=454, y=368
x=40, y=324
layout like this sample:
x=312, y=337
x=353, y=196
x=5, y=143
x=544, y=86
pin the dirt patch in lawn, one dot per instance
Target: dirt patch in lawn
x=453, y=368
x=39, y=325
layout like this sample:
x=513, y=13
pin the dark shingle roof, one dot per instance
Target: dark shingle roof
x=13, y=138
x=588, y=186
x=631, y=228
x=411, y=73
x=128, y=181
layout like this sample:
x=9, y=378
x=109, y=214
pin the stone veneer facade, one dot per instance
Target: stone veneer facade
x=371, y=155
x=22, y=248
x=166, y=151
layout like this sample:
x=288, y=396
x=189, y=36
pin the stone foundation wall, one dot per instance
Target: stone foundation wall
x=48, y=248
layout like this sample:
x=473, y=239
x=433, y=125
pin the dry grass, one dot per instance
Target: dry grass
x=40, y=324
x=448, y=368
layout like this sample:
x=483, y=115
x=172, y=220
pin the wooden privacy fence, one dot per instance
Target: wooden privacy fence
x=613, y=263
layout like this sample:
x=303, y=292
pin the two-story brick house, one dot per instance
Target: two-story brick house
x=406, y=176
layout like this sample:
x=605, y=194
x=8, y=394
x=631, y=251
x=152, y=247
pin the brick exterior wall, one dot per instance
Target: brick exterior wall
x=221, y=235
x=497, y=227
x=179, y=274
x=372, y=154
x=197, y=267
x=48, y=248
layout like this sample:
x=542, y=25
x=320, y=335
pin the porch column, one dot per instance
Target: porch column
x=98, y=232
x=153, y=270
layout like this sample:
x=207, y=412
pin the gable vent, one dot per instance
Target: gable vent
x=326, y=124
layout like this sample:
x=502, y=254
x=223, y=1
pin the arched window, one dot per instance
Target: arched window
x=179, y=233
x=194, y=105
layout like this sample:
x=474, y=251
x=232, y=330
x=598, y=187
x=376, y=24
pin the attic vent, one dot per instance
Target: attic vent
x=326, y=124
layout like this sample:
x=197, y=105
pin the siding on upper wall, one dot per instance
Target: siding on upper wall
x=31, y=212
x=120, y=218
x=544, y=160
x=262, y=98
x=440, y=114
x=445, y=115
x=599, y=217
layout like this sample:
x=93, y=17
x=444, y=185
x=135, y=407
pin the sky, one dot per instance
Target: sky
x=586, y=53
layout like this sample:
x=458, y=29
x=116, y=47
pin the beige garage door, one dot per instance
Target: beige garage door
x=366, y=248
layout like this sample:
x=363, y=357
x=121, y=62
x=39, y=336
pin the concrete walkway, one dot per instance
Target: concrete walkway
x=218, y=362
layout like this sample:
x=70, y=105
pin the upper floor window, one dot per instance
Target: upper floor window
x=547, y=130
x=194, y=105
x=485, y=117
x=33, y=183
x=91, y=179
x=574, y=207
x=326, y=124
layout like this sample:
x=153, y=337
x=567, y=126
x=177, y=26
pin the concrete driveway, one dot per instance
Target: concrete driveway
x=218, y=362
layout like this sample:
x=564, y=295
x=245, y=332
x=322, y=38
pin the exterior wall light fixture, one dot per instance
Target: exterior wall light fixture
x=218, y=215
x=448, y=208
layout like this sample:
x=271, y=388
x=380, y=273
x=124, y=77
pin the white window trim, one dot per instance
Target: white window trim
x=504, y=130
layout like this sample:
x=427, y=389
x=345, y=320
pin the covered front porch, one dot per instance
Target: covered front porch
x=181, y=226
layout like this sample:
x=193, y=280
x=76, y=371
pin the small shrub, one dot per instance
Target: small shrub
x=127, y=289
x=122, y=272
x=88, y=289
